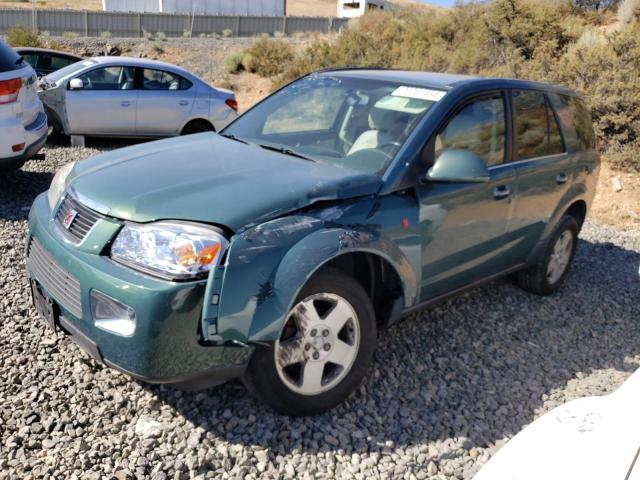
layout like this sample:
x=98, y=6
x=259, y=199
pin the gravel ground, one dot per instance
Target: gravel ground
x=449, y=385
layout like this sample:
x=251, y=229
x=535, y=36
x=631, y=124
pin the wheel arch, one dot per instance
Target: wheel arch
x=575, y=202
x=578, y=210
x=267, y=300
x=377, y=275
x=197, y=120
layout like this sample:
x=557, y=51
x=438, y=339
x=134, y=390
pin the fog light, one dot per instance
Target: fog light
x=111, y=315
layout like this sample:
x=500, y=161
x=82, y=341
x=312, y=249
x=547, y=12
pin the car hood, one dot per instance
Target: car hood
x=208, y=178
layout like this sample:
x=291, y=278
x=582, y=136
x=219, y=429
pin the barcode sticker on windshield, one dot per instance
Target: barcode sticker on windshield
x=419, y=93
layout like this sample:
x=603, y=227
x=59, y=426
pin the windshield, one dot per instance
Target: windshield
x=352, y=123
x=69, y=70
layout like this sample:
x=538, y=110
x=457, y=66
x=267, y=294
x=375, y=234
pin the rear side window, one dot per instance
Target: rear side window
x=576, y=122
x=9, y=59
x=160, y=80
x=57, y=62
x=536, y=129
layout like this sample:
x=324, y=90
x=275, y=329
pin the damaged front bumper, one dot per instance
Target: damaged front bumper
x=166, y=346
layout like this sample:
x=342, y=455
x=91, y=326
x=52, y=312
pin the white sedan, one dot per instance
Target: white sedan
x=593, y=438
x=133, y=97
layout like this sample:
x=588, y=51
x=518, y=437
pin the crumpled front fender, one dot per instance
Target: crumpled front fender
x=268, y=265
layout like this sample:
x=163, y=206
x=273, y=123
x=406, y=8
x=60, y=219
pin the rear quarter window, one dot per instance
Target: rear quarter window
x=9, y=59
x=576, y=122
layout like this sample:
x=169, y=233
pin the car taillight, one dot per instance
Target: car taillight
x=9, y=90
x=232, y=103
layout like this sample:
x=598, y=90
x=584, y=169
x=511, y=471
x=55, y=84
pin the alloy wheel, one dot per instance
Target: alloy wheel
x=318, y=344
x=560, y=257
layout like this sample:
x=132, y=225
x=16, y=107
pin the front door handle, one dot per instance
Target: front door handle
x=184, y=103
x=503, y=191
x=562, y=178
x=126, y=103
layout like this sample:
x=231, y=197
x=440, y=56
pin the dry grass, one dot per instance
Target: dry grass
x=620, y=209
x=62, y=4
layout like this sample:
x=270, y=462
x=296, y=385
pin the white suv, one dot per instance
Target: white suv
x=23, y=123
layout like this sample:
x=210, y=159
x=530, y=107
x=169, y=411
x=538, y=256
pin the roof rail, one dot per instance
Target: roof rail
x=338, y=69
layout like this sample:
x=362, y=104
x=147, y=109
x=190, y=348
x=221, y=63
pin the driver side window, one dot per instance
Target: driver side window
x=479, y=128
x=109, y=78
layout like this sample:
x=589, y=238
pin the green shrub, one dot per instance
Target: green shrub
x=227, y=32
x=233, y=62
x=21, y=36
x=248, y=62
x=161, y=36
x=106, y=34
x=147, y=35
x=70, y=35
x=268, y=57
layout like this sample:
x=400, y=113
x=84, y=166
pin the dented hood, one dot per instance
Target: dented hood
x=209, y=178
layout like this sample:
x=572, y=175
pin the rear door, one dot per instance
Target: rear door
x=543, y=168
x=106, y=105
x=165, y=102
x=464, y=225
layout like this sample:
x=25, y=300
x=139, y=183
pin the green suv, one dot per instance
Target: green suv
x=276, y=250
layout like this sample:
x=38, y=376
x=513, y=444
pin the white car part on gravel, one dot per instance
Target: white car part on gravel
x=592, y=438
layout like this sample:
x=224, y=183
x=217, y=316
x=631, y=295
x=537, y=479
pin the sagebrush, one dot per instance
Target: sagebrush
x=21, y=36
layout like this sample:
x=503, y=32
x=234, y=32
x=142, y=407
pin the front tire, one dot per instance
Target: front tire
x=550, y=270
x=323, y=352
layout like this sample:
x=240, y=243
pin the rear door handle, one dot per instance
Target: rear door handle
x=503, y=191
x=184, y=103
x=126, y=103
x=562, y=178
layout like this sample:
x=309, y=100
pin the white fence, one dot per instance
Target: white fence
x=274, y=8
x=120, y=24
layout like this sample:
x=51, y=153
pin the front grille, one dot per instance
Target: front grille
x=64, y=287
x=84, y=220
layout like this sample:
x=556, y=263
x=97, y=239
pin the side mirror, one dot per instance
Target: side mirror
x=460, y=166
x=76, y=84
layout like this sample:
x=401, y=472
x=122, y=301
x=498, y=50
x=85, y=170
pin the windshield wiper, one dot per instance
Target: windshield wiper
x=233, y=137
x=286, y=151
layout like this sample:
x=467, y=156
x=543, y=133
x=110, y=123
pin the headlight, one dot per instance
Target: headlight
x=172, y=250
x=58, y=184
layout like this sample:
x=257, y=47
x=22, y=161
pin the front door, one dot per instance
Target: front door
x=106, y=103
x=464, y=225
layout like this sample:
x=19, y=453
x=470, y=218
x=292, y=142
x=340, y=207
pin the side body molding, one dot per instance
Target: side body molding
x=268, y=265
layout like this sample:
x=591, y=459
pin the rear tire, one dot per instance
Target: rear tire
x=324, y=349
x=551, y=268
x=197, y=126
